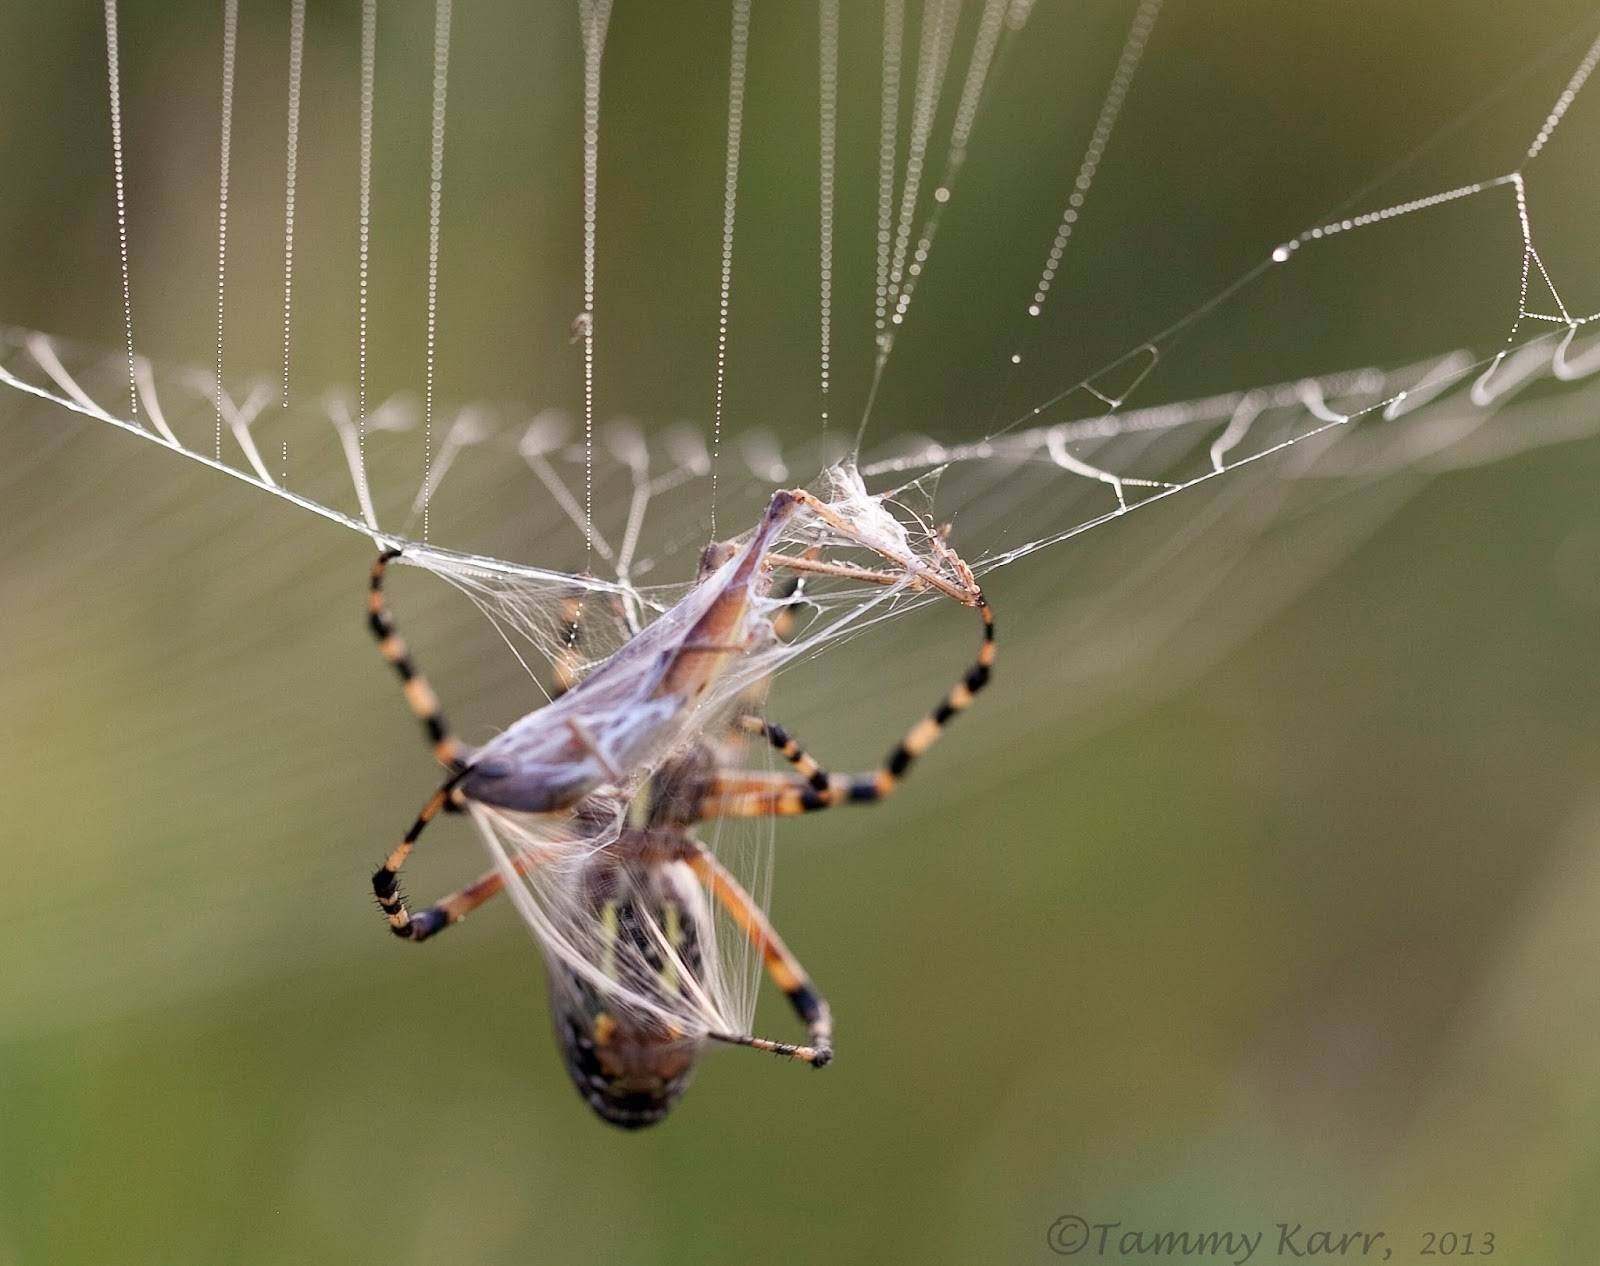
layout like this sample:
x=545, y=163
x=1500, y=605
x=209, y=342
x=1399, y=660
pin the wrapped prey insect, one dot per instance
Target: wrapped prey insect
x=588, y=804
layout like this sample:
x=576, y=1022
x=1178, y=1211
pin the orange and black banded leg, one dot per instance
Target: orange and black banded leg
x=781, y=965
x=386, y=879
x=447, y=749
x=790, y=593
x=811, y=787
x=788, y=747
x=452, y=909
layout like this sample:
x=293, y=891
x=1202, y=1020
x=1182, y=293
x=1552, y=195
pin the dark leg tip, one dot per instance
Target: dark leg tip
x=823, y=1059
x=424, y=924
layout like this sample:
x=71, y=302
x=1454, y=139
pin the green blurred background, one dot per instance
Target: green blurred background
x=1277, y=919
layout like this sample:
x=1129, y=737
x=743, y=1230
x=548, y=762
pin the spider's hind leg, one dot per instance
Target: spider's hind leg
x=782, y=966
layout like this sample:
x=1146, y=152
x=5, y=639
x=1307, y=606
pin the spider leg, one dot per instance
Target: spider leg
x=781, y=965
x=447, y=749
x=783, y=1050
x=789, y=592
x=811, y=787
x=452, y=909
x=386, y=879
x=788, y=747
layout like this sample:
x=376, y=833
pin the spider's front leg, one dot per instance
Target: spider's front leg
x=386, y=879
x=424, y=704
x=448, y=911
x=742, y=794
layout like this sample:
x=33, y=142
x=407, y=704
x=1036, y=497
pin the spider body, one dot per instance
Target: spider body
x=589, y=806
x=629, y=1065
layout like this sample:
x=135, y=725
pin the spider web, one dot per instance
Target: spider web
x=634, y=499
x=1071, y=463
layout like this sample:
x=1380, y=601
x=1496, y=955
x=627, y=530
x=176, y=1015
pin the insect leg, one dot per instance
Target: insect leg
x=845, y=571
x=447, y=749
x=964, y=592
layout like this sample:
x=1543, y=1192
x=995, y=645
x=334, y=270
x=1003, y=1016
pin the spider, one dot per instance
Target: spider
x=615, y=765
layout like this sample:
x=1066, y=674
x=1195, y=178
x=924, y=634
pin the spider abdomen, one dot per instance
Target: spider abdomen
x=628, y=1063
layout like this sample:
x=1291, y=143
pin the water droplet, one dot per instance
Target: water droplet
x=1016, y=358
x=941, y=194
x=1281, y=255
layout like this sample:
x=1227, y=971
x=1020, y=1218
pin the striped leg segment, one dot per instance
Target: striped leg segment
x=447, y=749
x=459, y=904
x=789, y=748
x=811, y=787
x=452, y=909
x=781, y=965
x=386, y=879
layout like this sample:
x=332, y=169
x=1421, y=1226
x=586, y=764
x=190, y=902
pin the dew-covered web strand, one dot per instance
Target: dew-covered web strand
x=1144, y=21
x=118, y=171
x=297, y=39
x=738, y=65
x=1530, y=262
x=1558, y=112
x=369, y=73
x=827, y=148
x=888, y=139
x=991, y=28
x=933, y=60
x=896, y=276
x=1283, y=253
x=1482, y=106
x=230, y=45
x=1112, y=103
x=594, y=18
x=441, y=90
